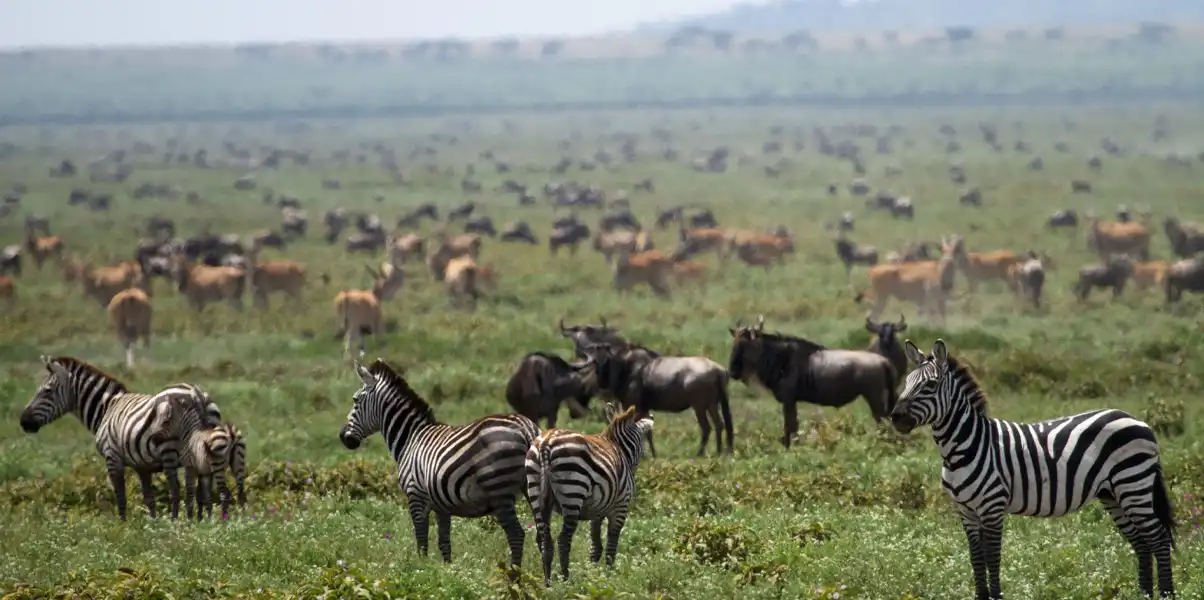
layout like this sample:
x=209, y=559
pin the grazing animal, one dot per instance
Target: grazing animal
x=927, y=283
x=205, y=455
x=612, y=243
x=518, y=232
x=704, y=239
x=235, y=443
x=1063, y=218
x=129, y=427
x=685, y=271
x=203, y=285
x=673, y=384
x=652, y=268
x=10, y=260
x=1028, y=278
x=850, y=253
x=585, y=477
x=467, y=471
x=1113, y=273
x=103, y=283
x=1118, y=238
x=1184, y=275
x=886, y=341
x=1186, y=238
x=569, y=235
x=795, y=369
x=8, y=290
x=451, y=248
x=358, y=313
x=130, y=311
x=402, y=249
x=462, y=279
x=979, y=267
x=387, y=280
x=275, y=276
x=43, y=248
x=1149, y=274
x=994, y=468
x=542, y=381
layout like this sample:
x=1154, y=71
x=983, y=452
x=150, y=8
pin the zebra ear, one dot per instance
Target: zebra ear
x=368, y=378
x=610, y=411
x=913, y=353
x=940, y=354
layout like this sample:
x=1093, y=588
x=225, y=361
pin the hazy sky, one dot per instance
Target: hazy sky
x=87, y=22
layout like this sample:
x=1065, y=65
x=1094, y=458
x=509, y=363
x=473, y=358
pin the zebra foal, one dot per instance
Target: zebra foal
x=207, y=454
x=129, y=428
x=588, y=477
x=466, y=471
x=994, y=468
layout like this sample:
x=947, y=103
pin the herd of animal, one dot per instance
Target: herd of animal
x=992, y=468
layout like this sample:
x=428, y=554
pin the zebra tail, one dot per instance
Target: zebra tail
x=545, y=485
x=1163, y=511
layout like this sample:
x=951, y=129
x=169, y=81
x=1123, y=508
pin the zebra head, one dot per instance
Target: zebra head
x=365, y=417
x=628, y=428
x=386, y=398
x=925, y=398
x=53, y=399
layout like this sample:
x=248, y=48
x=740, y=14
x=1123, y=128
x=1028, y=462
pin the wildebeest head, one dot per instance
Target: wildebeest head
x=886, y=331
x=763, y=357
x=584, y=336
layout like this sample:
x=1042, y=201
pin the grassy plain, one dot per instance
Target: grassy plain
x=851, y=511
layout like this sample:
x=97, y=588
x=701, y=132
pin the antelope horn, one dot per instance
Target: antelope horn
x=760, y=323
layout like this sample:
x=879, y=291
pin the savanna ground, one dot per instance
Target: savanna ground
x=851, y=511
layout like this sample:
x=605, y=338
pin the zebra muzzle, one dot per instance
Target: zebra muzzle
x=902, y=423
x=30, y=426
x=350, y=440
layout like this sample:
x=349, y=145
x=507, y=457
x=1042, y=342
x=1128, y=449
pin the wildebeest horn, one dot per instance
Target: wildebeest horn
x=760, y=323
x=562, y=329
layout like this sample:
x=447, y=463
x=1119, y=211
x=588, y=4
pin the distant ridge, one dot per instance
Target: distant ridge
x=778, y=16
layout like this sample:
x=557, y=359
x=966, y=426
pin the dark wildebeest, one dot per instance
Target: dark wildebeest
x=623, y=218
x=543, y=381
x=1028, y=278
x=851, y=253
x=482, y=225
x=886, y=341
x=461, y=212
x=414, y=217
x=10, y=260
x=1063, y=218
x=795, y=369
x=1113, y=273
x=635, y=377
x=570, y=236
x=518, y=231
x=1185, y=275
x=584, y=336
x=1186, y=238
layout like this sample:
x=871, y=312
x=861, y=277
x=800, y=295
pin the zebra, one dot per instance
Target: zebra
x=207, y=454
x=993, y=468
x=467, y=471
x=125, y=424
x=585, y=477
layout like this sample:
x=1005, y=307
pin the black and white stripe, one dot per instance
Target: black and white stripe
x=469, y=471
x=128, y=427
x=206, y=454
x=994, y=468
x=590, y=477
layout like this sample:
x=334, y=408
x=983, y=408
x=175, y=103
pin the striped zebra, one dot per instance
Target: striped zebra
x=123, y=423
x=588, y=477
x=468, y=471
x=207, y=454
x=993, y=468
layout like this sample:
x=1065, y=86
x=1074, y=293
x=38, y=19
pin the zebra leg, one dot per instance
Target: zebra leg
x=507, y=517
x=595, y=538
x=704, y=425
x=190, y=480
x=992, y=547
x=204, y=507
x=173, y=490
x=420, y=515
x=567, y=529
x=443, y=533
x=614, y=528
x=1127, y=528
x=977, y=558
x=116, y=469
x=219, y=483
x=148, y=492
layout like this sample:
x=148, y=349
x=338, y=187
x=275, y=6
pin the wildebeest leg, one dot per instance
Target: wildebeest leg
x=704, y=425
x=651, y=446
x=713, y=413
x=577, y=409
x=789, y=421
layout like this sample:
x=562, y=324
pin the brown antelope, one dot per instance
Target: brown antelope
x=980, y=267
x=1150, y=273
x=202, y=285
x=404, y=248
x=927, y=283
x=451, y=248
x=610, y=243
x=685, y=271
x=702, y=239
x=462, y=280
x=43, y=248
x=275, y=276
x=358, y=312
x=102, y=283
x=130, y=312
x=8, y=289
x=1112, y=237
x=761, y=250
x=387, y=280
x=653, y=268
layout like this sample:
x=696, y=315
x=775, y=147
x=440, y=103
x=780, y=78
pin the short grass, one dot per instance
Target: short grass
x=851, y=511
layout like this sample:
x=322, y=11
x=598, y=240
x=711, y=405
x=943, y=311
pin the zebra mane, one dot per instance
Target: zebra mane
x=620, y=420
x=396, y=381
x=976, y=395
x=71, y=363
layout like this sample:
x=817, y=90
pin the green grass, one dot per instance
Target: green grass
x=850, y=510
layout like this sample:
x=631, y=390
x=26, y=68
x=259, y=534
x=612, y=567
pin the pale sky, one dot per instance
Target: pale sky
x=102, y=22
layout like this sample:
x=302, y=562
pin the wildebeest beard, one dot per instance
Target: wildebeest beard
x=779, y=357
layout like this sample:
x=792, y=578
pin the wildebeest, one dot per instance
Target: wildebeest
x=10, y=260
x=584, y=336
x=1063, y=218
x=1185, y=275
x=518, y=231
x=1186, y=238
x=668, y=384
x=1027, y=278
x=482, y=225
x=1112, y=273
x=886, y=342
x=543, y=381
x=461, y=212
x=795, y=369
x=365, y=242
x=850, y=253
x=414, y=217
x=623, y=218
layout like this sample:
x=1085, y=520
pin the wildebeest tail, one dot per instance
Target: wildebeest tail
x=725, y=410
x=1163, y=511
x=892, y=386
